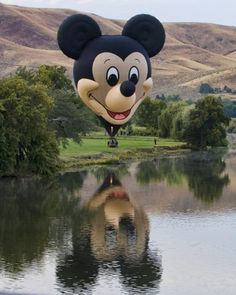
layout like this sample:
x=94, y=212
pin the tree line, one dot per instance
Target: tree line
x=40, y=111
x=206, y=88
x=201, y=124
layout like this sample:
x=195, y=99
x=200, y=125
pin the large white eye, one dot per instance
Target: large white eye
x=112, y=76
x=134, y=75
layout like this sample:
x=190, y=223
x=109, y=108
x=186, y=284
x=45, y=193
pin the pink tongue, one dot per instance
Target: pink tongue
x=119, y=116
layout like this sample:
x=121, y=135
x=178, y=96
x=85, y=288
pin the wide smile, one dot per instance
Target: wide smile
x=114, y=115
x=119, y=116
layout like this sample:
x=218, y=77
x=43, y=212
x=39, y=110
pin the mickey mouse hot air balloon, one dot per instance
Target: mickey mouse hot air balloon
x=112, y=73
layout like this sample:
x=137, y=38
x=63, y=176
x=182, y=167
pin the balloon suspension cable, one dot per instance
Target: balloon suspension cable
x=112, y=142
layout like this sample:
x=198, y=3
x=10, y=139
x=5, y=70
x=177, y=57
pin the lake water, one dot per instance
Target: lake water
x=165, y=226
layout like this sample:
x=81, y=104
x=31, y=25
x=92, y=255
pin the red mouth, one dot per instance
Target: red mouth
x=119, y=116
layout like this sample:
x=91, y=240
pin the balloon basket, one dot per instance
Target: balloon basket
x=112, y=142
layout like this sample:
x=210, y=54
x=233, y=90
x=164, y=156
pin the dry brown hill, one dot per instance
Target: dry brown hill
x=194, y=53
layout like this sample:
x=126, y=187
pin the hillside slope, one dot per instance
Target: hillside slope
x=194, y=53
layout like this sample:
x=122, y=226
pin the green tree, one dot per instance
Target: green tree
x=227, y=89
x=69, y=116
x=229, y=107
x=206, y=88
x=206, y=124
x=180, y=122
x=54, y=77
x=28, y=75
x=148, y=113
x=25, y=140
x=171, y=120
x=39, y=109
x=232, y=126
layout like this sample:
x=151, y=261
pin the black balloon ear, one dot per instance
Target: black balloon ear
x=148, y=31
x=75, y=32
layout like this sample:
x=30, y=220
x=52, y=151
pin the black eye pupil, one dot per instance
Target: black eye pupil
x=112, y=80
x=134, y=78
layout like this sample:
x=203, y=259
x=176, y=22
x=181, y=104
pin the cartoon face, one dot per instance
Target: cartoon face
x=112, y=73
x=115, y=93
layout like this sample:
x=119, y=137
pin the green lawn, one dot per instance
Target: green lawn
x=97, y=143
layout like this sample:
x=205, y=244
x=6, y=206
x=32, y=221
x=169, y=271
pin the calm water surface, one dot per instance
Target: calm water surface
x=165, y=226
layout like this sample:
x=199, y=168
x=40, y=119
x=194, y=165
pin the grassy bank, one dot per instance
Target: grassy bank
x=94, y=150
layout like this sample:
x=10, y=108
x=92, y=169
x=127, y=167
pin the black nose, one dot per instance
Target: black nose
x=127, y=88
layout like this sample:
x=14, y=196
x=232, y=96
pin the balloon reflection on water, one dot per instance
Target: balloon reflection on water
x=113, y=234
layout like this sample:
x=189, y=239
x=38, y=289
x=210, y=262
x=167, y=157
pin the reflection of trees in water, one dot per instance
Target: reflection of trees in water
x=79, y=269
x=143, y=276
x=101, y=172
x=112, y=234
x=202, y=171
x=72, y=181
x=206, y=180
x=159, y=170
x=26, y=212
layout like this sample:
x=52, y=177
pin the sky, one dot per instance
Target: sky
x=210, y=11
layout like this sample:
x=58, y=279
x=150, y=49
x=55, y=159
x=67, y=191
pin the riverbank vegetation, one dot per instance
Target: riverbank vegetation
x=42, y=122
x=94, y=150
x=199, y=125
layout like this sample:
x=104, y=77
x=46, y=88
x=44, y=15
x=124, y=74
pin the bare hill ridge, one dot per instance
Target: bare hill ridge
x=194, y=53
